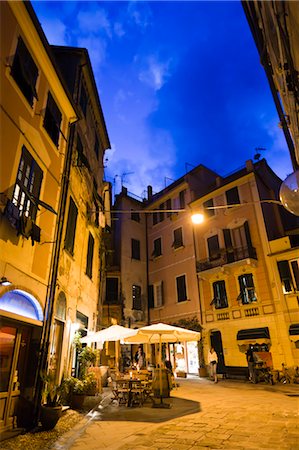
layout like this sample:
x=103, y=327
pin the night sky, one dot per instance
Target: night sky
x=180, y=84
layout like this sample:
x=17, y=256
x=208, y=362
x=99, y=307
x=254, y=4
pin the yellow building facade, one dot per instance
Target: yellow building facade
x=237, y=250
x=36, y=115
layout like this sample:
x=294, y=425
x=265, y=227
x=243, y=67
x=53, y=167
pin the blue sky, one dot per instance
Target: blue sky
x=180, y=85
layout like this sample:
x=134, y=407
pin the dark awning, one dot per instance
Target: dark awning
x=253, y=333
x=294, y=329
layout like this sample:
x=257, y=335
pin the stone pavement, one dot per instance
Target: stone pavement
x=230, y=415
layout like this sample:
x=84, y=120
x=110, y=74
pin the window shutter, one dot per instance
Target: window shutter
x=90, y=251
x=150, y=296
x=71, y=226
x=285, y=275
x=162, y=293
x=227, y=238
x=247, y=233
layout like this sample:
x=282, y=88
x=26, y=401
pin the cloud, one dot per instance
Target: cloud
x=140, y=14
x=56, y=31
x=118, y=29
x=156, y=73
x=96, y=49
x=277, y=154
x=96, y=22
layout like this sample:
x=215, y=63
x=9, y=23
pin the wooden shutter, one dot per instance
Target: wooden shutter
x=71, y=226
x=90, y=251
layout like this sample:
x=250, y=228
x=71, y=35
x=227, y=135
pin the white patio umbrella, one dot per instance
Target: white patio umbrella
x=161, y=333
x=114, y=333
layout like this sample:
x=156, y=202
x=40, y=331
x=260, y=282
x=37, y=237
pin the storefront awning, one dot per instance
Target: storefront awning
x=294, y=332
x=254, y=335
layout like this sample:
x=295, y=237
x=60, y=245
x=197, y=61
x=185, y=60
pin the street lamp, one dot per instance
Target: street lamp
x=289, y=193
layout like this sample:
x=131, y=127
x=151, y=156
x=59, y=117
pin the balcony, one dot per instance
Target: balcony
x=226, y=256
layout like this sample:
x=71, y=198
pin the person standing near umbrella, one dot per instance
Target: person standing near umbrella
x=213, y=360
x=140, y=358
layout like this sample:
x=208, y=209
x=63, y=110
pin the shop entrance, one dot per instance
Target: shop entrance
x=19, y=344
x=216, y=342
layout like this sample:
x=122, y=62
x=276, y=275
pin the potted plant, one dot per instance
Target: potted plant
x=81, y=393
x=51, y=408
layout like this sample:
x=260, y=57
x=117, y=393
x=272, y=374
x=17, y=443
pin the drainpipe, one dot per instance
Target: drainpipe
x=51, y=290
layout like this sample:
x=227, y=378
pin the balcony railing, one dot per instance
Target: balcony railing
x=226, y=256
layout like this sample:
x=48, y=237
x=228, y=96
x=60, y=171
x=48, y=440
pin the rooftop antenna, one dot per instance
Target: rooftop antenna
x=188, y=164
x=257, y=153
x=165, y=180
x=123, y=175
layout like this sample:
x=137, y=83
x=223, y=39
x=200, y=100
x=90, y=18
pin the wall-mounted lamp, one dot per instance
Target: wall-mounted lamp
x=5, y=282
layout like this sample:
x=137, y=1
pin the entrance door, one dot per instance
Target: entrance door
x=9, y=387
x=216, y=342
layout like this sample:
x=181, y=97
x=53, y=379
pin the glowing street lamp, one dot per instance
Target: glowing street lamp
x=197, y=218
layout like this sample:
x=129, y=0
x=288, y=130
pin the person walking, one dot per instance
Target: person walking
x=250, y=362
x=213, y=360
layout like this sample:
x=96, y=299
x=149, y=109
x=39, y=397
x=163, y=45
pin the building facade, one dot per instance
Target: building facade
x=240, y=251
x=36, y=116
x=81, y=261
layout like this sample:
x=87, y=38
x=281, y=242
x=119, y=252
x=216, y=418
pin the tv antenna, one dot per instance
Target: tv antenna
x=123, y=175
x=257, y=152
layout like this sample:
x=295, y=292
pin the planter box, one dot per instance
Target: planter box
x=85, y=402
x=202, y=372
x=181, y=374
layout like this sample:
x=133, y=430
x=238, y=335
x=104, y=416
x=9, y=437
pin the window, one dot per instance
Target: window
x=83, y=100
x=155, y=295
x=213, y=247
x=182, y=199
x=135, y=216
x=181, y=288
x=289, y=275
x=232, y=196
x=52, y=119
x=96, y=146
x=24, y=71
x=71, y=227
x=157, y=248
x=90, y=250
x=28, y=184
x=209, y=204
x=136, y=296
x=112, y=297
x=158, y=295
x=178, y=238
x=220, y=297
x=135, y=249
x=247, y=293
x=155, y=218
x=168, y=207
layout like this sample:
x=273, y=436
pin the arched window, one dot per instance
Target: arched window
x=21, y=303
x=60, y=312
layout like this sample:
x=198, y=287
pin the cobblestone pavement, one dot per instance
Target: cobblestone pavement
x=231, y=415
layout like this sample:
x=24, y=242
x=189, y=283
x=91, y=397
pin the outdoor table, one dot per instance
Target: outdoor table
x=129, y=391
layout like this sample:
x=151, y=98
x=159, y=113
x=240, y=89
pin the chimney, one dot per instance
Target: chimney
x=249, y=165
x=149, y=192
x=218, y=181
x=124, y=190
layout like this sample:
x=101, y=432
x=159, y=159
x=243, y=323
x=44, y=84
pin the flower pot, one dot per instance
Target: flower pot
x=49, y=416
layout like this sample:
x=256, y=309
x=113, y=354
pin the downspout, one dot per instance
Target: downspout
x=147, y=275
x=51, y=290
